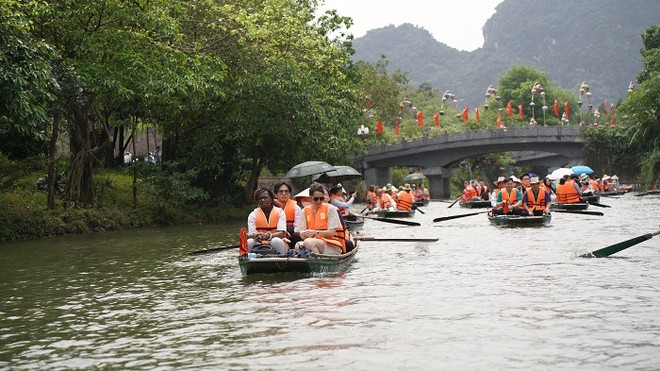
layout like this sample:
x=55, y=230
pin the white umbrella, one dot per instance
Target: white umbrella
x=559, y=173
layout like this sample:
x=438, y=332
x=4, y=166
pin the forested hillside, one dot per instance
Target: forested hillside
x=597, y=41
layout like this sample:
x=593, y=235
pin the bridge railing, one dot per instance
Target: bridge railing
x=470, y=135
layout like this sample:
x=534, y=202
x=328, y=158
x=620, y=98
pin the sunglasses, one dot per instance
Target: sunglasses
x=317, y=199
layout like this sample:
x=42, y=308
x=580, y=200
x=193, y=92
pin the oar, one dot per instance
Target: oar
x=585, y=212
x=420, y=210
x=598, y=204
x=397, y=239
x=361, y=212
x=443, y=218
x=393, y=221
x=452, y=204
x=613, y=249
x=208, y=251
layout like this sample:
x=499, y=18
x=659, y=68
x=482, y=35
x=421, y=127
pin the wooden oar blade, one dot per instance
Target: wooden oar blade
x=613, y=249
x=583, y=212
x=599, y=204
x=393, y=221
x=397, y=239
x=443, y=218
x=215, y=249
x=452, y=204
x=420, y=210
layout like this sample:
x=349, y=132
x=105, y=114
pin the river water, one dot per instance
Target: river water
x=482, y=297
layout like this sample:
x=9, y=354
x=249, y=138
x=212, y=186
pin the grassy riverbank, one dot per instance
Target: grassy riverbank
x=24, y=214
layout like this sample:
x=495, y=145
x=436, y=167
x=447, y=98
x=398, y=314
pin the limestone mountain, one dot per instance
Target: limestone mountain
x=597, y=41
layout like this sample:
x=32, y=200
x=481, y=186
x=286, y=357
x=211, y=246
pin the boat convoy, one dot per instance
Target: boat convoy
x=314, y=233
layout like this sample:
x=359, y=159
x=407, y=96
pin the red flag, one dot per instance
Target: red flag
x=605, y=108
x=499, y=120
x=556, y=108
x=567, y=110
x=476, y=114
x=420, y=119
x=509, y=109
x=396, y=127
x=436, y=119
x=612, y=122
x=520, y=112
x=465, y=114
x=612, y=108
x=379, y=126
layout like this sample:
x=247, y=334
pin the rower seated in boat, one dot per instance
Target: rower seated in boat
x=266, y=224
x=405, y=199
x=536, y=200
x=290, y=207
x=509, y=199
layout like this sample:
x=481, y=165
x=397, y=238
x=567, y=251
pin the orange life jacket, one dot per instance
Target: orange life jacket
x=342, y=210
x=371, y=198
x=290, y=212
x=594, y=185
x=267, y=224
x=510, y=198
x=538, y=202
x=320, y=221
x=384, y=202
x=469, y=194
x=405, y=201
x=567, y=194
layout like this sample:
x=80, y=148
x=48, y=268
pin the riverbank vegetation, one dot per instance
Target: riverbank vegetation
x=235, y=90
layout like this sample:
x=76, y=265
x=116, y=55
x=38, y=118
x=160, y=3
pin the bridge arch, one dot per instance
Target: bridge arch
x=438, y=153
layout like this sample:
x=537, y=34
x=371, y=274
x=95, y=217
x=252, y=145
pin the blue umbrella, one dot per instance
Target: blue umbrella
x=582, y=169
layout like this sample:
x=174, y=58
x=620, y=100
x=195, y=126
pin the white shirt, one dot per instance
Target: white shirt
x=333, y=219
x=252, y=221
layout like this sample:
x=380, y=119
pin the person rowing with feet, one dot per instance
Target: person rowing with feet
x=266, y=224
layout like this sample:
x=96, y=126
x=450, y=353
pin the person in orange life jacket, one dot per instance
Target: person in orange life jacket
x=485, y=191
x=406, y=200
x=425, y=192
x=566, y=192
x=499, y=185
x=574, y=179
x=509, y=200
x=605, y=183
x=267, y=223
x=337, y=200
x=291, y=209
x=536, y=200
x=370, y=197
x=318, y=224
x=524, y=180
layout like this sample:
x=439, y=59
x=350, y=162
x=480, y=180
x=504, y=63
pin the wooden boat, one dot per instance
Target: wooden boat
x=519, y=221
x=613, y=193
x=475, y=204
x=354, y=225
x=591, y=198
x=313, y=265
x=573, y=206
x=421, y=203
x=394, y=213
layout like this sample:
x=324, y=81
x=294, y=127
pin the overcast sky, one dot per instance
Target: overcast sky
x=456, y=23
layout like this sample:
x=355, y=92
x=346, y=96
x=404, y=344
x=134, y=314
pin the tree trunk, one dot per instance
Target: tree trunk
x=251, y=184
x=79, y=191
x=52, y=172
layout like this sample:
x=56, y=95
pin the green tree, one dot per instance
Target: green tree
x=642, y=108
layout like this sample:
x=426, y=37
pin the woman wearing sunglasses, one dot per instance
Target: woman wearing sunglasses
x=319, y=225
x=266, y=224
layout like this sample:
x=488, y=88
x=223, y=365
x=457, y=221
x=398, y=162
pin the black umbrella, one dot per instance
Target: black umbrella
x=414, y=177
x=309, y=168
x=340, y=174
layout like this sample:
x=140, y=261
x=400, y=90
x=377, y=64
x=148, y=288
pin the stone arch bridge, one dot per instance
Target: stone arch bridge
x=550, y=146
